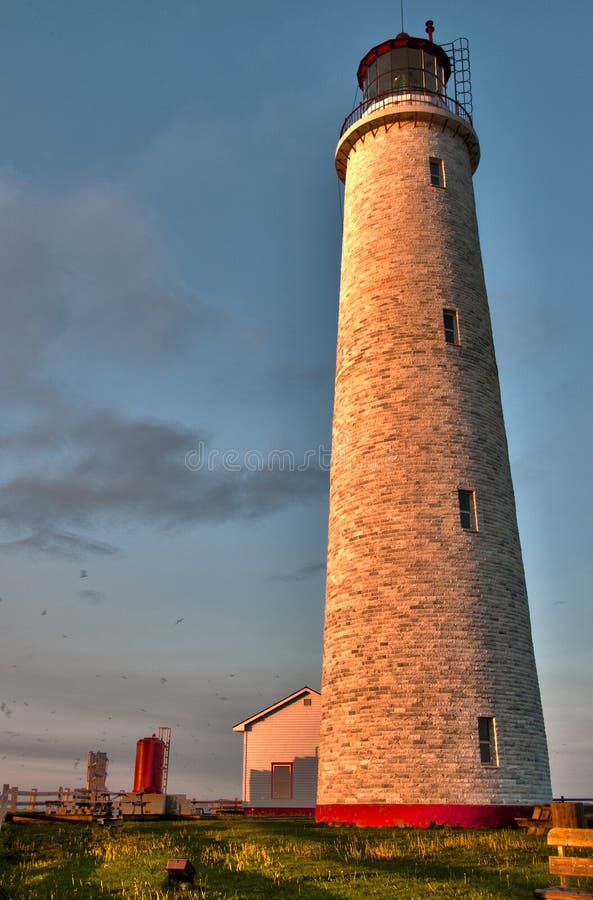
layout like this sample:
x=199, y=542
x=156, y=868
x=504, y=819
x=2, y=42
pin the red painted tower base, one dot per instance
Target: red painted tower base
x=421, y=815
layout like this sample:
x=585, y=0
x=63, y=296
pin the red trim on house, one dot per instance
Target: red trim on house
x=421, y=815
x=253, y=811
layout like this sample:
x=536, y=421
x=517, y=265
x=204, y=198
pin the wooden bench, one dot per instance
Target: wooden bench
x=569, y=866
x=540, y=821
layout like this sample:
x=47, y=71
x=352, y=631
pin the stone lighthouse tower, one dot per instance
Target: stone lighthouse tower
x=431, y=704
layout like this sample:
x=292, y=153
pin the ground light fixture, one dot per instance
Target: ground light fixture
x=180, y=870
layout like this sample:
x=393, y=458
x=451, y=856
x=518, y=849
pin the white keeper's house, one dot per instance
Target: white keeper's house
x=280, y=750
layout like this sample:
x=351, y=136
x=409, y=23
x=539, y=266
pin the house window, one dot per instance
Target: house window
x=437, y=172
x=281, y=781
x=467, y=510
x=487, y=739
x=451, y=326
x=307, y=701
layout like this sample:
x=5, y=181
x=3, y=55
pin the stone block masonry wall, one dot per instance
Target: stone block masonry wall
x=427, y=624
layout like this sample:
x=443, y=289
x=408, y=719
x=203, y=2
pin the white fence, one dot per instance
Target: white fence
x=80, y=804
x=76, y=802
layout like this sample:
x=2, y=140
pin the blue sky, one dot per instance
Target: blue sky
x=169, y=262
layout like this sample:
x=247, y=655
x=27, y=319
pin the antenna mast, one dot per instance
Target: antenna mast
x=401, y=6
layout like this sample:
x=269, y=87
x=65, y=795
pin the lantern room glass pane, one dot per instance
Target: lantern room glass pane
x=440, y=79
x=415, y=67
x=399, y=69
x=384, y=83
x=384, y=63
x=429, y=62
x=371, y=89
x=401, y=79
x=430, y=81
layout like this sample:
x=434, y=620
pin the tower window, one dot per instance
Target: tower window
x=451, y=326
x=487, y=740
x=437, y=172
x=281, y=781
x=467, y=510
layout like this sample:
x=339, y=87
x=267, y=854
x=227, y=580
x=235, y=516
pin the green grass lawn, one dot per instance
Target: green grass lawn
x=246, y=858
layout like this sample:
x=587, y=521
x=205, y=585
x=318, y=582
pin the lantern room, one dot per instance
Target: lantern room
x=404, y=63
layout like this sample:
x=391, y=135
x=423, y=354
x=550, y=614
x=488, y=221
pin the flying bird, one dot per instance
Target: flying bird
x=43, y=612
x=84, y=573
x=179, y=621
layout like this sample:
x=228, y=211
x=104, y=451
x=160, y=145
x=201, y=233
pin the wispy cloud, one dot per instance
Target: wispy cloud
x=307, y=571
x=120, y=470
x=88, y=288
x=55, y=543
x=91, y=595
x=85, y=274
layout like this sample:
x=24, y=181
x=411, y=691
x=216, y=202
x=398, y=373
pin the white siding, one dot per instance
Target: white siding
x=287, y=735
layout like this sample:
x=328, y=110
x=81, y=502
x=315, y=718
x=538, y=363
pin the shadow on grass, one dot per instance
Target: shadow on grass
x=260, y=859
x=46, y=861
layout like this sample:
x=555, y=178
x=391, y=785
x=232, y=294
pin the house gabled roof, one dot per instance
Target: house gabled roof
x=286, y=701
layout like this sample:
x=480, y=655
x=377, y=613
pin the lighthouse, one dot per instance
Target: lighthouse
x=431, y=710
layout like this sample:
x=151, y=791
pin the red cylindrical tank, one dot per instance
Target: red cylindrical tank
x=148, y=772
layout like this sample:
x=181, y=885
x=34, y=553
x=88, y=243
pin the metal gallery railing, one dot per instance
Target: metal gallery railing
x=405, y=95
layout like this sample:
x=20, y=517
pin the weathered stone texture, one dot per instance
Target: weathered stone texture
x=427, y=625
